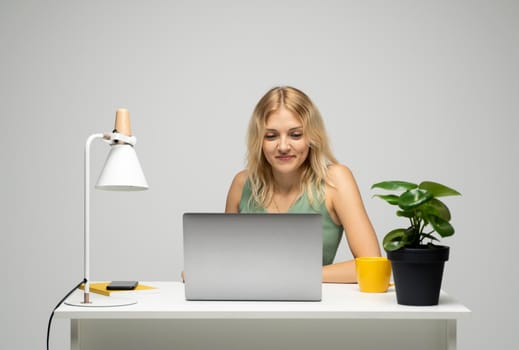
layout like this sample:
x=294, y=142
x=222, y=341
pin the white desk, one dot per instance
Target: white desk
x=344, y=319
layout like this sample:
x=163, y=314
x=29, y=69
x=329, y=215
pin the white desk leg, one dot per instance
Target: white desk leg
x=74, y=334
x=451, y=335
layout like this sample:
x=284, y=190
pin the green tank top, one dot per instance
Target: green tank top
x=332, y=232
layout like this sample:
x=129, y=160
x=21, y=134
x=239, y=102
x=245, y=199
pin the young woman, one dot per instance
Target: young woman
x=290, y=168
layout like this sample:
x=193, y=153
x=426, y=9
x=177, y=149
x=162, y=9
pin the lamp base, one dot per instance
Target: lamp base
x=97, y=300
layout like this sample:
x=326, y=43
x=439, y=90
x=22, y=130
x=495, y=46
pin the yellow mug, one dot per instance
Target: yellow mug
x=373, y=274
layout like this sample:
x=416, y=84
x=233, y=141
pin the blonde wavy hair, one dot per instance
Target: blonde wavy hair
x=320, y=156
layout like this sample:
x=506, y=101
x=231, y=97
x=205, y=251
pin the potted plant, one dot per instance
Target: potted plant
x=416, y=260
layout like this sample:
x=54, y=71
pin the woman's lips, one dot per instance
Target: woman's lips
x=285, y=158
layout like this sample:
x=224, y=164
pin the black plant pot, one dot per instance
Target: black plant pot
x=418, y=274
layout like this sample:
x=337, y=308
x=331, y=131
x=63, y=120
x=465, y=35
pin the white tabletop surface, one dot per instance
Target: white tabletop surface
x=338, y=301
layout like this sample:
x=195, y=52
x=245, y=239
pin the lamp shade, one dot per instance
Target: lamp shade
x=122, y=170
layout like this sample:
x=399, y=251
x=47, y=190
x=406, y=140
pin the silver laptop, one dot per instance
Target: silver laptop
x=253, y=256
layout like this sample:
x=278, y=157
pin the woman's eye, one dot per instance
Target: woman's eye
x=270, y=136
x=296, y=135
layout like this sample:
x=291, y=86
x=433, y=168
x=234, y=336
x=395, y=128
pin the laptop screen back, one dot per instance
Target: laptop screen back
x=252, y=256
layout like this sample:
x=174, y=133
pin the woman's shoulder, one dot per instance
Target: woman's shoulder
x=338, y=173
x=238, y=182
x=235, y=192
x=240, y=178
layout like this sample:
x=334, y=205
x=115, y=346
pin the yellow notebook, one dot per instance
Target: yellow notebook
x=100, y=288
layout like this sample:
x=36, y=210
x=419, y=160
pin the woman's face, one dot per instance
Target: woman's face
x=284, y=145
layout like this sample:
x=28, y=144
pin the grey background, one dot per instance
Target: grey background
x=409, y=90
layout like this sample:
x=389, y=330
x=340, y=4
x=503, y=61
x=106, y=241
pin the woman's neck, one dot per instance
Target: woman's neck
x=287, y=183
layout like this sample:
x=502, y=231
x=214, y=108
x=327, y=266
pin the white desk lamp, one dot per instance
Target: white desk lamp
x=121, y=172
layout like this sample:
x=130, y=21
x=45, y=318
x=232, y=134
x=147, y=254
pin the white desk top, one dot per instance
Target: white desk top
x=338, y=301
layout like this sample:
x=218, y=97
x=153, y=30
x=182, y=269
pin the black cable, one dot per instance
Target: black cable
x=61, y=302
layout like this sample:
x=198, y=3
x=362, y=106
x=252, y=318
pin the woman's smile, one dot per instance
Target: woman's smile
x=285, y=158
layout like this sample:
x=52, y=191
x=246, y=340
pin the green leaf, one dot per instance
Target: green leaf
x=438, y=190
x=443, y=227
x=405, y=213
x=413, y=198
x=395, y=185
x=390, y=198
x=437, y=208
x=395, y=239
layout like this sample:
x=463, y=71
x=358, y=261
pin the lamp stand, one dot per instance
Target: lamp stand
x=97, y=300
x=88, y=299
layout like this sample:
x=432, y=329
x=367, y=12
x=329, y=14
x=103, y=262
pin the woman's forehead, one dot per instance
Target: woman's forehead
x=283, y=118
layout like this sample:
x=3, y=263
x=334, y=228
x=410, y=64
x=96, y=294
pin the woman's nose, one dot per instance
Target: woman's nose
x=283, y=146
